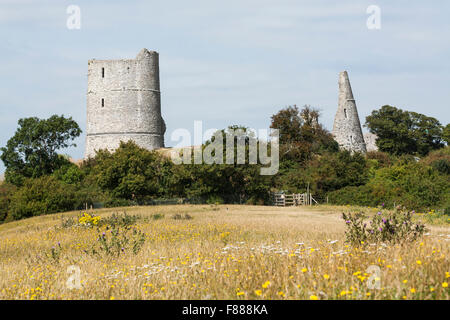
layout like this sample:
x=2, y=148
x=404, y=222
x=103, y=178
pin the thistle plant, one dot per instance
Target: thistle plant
x=116, y=240
x=394, y=227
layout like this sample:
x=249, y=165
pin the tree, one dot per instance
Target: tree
x=301, y=134
x=43, y=195
x=289, y=123
x=6, y=192
x=32, y=151
x=403, y=132
x=446, y=134
x=132, y=172
x=338, y=170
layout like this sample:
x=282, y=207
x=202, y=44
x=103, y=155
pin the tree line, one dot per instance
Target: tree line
x=411, y=168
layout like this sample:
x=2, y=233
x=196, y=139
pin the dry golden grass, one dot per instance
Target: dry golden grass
x=224, y=252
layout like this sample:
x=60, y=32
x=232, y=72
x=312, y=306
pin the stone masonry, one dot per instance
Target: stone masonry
x=347, y=128
x=370, y=140
x=124, y=103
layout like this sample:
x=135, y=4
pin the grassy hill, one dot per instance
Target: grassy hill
x=213, y=252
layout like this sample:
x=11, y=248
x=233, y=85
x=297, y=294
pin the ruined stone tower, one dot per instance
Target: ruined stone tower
x=124, y=103
x=347, y=128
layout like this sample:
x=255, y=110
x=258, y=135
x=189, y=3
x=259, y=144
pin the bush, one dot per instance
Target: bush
x=413, y=185
x=116, y=241
x=43, y=195
x=383, y=159
x=442, y=166
x=6, y=192
x=338, y=170
x=394, y=227
x=179, y=216
x=214, y=199
x=361, y=195
x=122, y=220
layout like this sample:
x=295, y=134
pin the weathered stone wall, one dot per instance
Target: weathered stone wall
x=124, y=103
x=370, y=140
x=347, y=127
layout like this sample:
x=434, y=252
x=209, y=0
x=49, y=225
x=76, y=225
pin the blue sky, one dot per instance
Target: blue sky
x=227, y=62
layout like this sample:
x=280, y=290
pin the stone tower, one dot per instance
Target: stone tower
x=347, y=128
x=124, y=103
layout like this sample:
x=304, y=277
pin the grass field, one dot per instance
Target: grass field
x=221, y=252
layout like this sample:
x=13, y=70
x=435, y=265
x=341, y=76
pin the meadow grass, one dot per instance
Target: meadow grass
x=221, y=252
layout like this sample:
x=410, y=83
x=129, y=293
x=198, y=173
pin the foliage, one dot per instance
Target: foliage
x=309, y=160
x=69, y=173
x=118, y=240
x=157, y=216
x=42, y=196
x=31, y=152
x=6, y=192
x=439, y=160
x=55, y=252
x=120, y=219
x=392, y=226
x=179, y=216
x=413, y=185
x=361, y=195
x=301, y=134
x=404, y=132
x=446, y=134
x=339, y=170
x=226, y=182
x=131, y=172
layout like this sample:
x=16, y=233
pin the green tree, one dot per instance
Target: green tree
x=446, y=134
x=301, y=135
x=32, y=151
x=338, y=170
x=43, y=195
x=404, y=132
x=132, y=172
x=6, y=192
x=230, y=182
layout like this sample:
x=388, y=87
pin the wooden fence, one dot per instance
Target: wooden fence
x=294, y=199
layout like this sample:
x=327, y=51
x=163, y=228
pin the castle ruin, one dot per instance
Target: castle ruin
x=124, y=103
x=347, y=128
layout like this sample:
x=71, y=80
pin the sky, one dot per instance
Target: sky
x=227, y=62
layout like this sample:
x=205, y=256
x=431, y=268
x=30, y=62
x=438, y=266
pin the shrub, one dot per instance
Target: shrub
x=361, y=195
x=394, y=226
x=157, y=216
x=6, y=192
x=383, y=159
x=122, y=220
x=413, y=185
x=116, y=241
x=214, y=199
x=43, y=195
x=442, y=165
x=339, y=170
x=179, y=216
